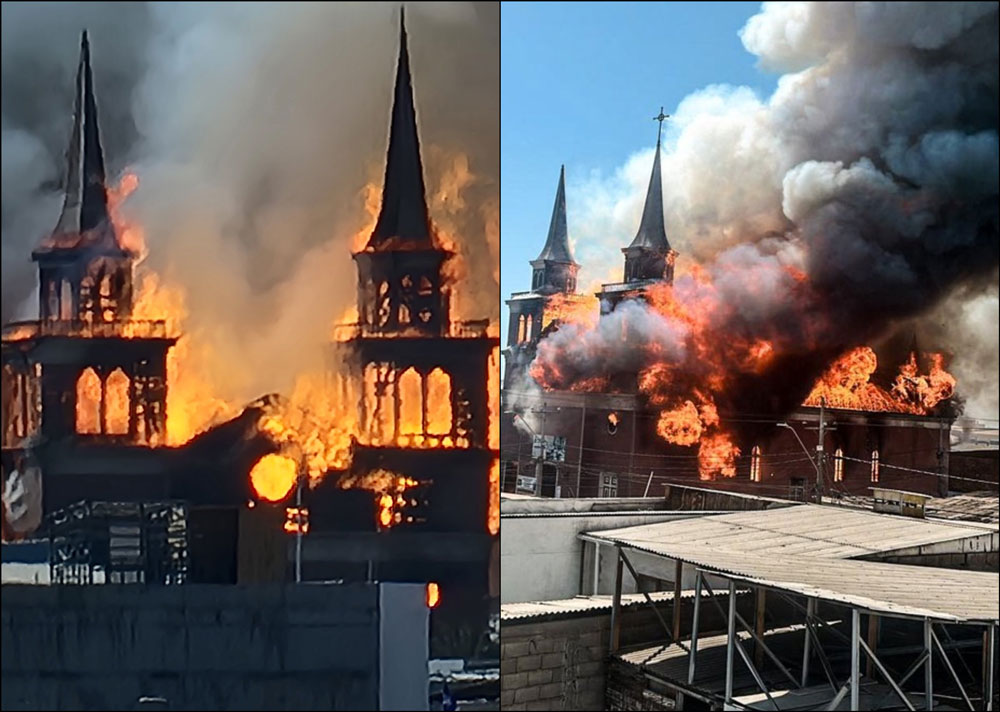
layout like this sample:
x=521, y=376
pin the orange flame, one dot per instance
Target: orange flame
x=493, y=518
x=390, y=490
x=273, y=477
x=130, y=235
x=433, y=595
x=580, y=309
x=847, y=384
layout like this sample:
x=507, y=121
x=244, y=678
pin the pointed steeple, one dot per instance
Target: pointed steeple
x=652, y=233
x=85, y=207
x=557, y=243
x=403, y=217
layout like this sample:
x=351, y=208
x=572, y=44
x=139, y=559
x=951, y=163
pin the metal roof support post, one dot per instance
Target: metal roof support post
x=991, y=644
x=888, y=678
x=758, y=626
x=597, y=568
x=928, y=666
x=855, y=652
x=651, y=603
x=810, y=612
x=678, y=578
x=694, y=627
x=730, y=640
x=616, y=606
x=947, y=663
x=758, y=639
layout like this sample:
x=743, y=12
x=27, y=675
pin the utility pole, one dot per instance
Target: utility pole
x=540, y=463
x=298, y=532
x=820, y=452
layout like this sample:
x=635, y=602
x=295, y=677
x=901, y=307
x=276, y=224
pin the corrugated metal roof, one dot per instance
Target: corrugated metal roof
x=510, y=612
x=807, y=530
x=917, y=591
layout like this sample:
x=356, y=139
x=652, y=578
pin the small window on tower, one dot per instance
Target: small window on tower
x=838, y=465
x=874, y=465
x=755, y=464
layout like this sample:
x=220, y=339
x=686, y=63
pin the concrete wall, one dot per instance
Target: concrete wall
x=542, y=558
x=312, y=646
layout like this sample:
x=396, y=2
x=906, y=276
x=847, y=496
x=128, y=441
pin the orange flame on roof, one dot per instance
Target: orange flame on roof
x=847, y=384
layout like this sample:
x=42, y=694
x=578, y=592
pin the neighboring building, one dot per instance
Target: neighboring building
x=795, y=572
x=318, y=647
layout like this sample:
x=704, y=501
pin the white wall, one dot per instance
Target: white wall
x=542, y=557
x=403, y=646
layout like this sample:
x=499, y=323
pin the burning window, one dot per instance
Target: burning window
x=296, y=520
x=527, y=329
x=88, y=403
x=874, y=465
x=612, y=423
x=520, y=329
x=116, y=403
x=755, y=464
x=838, y=465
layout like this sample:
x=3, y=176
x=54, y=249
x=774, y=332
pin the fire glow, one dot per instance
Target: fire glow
x=317, y=424
x=690, y=358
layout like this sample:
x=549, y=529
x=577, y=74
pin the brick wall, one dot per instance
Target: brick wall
x=549, y=663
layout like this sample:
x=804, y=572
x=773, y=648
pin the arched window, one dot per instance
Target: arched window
x=116, y=403
x=527, y=329
x=438, y=406
x=410, y=403
x=66, y=301
x=874, y=465
x=838, y=465
x=520, y=329
x=755, y=464
x=88, y=403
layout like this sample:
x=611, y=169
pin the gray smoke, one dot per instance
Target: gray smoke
x=873, y=168
x=253, y=128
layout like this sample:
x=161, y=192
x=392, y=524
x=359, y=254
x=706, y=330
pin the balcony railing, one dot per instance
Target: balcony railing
x=130, y=329
x=456, y=330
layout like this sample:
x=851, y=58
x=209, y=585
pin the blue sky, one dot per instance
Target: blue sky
x=580, y=83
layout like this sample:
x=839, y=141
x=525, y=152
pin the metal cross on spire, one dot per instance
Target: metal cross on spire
x=661, y=118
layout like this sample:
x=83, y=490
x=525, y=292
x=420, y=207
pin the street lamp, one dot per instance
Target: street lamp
x=819, y=473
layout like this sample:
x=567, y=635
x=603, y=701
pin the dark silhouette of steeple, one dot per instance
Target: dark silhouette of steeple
x=403, y=217
x=649, y=255
x=557, y=243
x=555, y=269
x=85, y=220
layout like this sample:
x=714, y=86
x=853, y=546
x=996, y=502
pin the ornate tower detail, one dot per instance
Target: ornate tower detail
x=423, y=405
x=84, y=368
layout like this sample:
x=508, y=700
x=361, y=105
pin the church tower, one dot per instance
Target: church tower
x=423, y=410
x=85, y=370
x=649, y=258
x=554, y=273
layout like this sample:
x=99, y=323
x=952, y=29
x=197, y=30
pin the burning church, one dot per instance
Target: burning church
x=384, y=466
x=636, y=386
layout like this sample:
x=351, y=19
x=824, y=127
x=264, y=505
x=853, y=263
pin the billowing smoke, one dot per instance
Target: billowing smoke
x=872, y=170
x=253, y=129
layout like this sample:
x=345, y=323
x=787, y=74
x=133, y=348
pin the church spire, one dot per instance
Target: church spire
x=403, y=217
x=557, y=243
x=652, y=233
x=85, y=207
